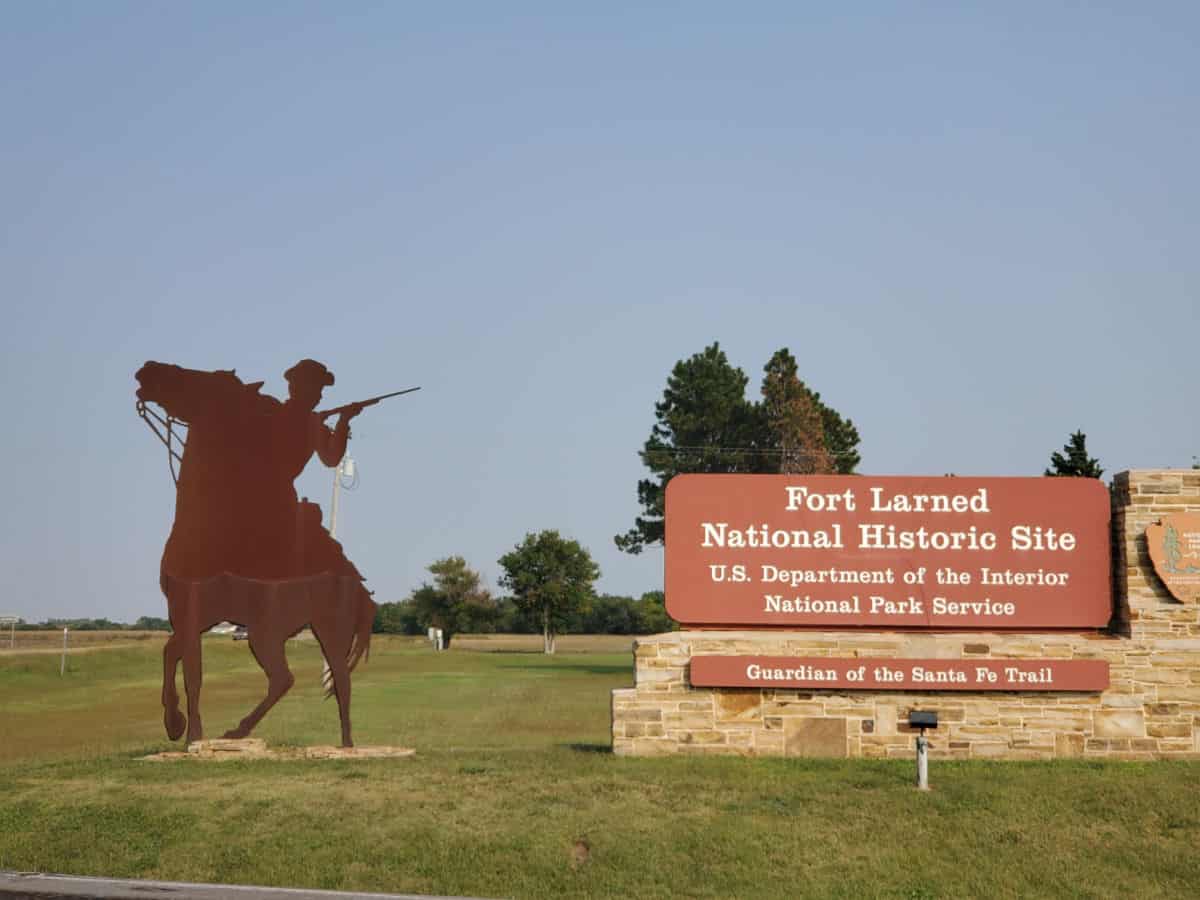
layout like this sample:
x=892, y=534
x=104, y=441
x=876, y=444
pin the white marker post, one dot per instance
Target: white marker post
x=11, y=622
x=62, y=669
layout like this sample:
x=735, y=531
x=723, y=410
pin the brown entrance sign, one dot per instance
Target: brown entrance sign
x=900, y=674
x=888, y=552
x=1174, y=546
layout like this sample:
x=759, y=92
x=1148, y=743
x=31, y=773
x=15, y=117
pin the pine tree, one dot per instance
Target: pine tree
x=794, y=423
x=1076, y=463
x=705, y=424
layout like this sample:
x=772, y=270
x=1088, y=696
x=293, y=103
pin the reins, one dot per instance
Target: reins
x=169, y=438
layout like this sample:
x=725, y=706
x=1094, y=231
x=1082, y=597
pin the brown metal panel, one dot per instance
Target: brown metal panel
x=243, y=547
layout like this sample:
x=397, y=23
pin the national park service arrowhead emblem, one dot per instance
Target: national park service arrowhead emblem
x=1174, y=546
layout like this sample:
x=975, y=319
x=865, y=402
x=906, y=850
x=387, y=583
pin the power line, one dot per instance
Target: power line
x=771, y=451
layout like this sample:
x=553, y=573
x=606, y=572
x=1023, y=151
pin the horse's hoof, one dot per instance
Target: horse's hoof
x=175, y=723
x=235, y=734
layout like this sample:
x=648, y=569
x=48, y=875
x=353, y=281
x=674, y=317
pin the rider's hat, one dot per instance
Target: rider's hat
x=309, y=371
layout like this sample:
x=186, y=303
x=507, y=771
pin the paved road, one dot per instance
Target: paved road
x=33, y=886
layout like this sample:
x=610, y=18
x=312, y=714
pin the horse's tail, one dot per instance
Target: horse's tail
x=364, y=621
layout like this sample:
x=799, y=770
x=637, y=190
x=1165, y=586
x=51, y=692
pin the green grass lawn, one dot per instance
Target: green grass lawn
x=513, y=772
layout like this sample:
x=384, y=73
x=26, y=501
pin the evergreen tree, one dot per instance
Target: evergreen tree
x=1076, y=462
x=841, y=438
x=795, y=427
x=705, y=424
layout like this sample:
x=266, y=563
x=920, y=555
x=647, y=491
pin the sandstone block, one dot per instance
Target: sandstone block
x=1120, y=723
x=1163, y=709
x=738, y=706
x=790, y=708
x=815, y=737
x=644, y=714
x=653, y=747
x=703, y=737
x=1068, y=745
x=645, y=675
x=768, y=744
x=687, y=721
x=1160, y=676
x=1125, y=701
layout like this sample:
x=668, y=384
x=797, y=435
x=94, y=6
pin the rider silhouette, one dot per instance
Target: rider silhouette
x=299, y=545
x=297, y=432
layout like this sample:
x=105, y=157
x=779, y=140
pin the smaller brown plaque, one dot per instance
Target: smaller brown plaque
x=1174, y=545
x=810, y=672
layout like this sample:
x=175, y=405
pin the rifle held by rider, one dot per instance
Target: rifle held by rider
x=326, y=413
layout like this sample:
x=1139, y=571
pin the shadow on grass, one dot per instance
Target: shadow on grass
x=588, y=748
x=521, y=651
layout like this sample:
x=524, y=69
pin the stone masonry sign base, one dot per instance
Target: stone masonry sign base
x=1151, y=709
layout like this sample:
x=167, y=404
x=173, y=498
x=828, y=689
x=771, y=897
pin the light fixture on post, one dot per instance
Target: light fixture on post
x=345, y=478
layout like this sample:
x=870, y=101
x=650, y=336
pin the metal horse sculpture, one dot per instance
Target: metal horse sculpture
x=243, y=550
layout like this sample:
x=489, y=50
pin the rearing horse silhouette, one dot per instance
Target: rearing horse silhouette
x=242, y=550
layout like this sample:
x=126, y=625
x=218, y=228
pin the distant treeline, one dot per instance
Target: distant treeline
x=603, y=614
x=145, y=623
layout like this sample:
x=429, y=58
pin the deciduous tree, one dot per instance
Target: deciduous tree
x=455, y=602
x=550, y=577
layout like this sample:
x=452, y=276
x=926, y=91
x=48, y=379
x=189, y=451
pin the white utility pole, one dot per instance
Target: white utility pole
x=343, y=471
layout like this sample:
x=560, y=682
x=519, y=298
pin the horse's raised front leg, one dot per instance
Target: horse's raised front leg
x=172, y=715
x=269, y=651
x=191, y=684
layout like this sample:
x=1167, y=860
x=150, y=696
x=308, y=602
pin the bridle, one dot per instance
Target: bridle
x=169, y=423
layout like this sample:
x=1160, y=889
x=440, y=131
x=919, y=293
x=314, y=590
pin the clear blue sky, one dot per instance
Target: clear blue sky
x=976, y=229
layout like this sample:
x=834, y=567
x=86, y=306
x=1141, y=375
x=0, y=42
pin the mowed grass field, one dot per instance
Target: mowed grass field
x=513, y=792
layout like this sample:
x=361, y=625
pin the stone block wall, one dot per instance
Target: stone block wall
x=1151, y=709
